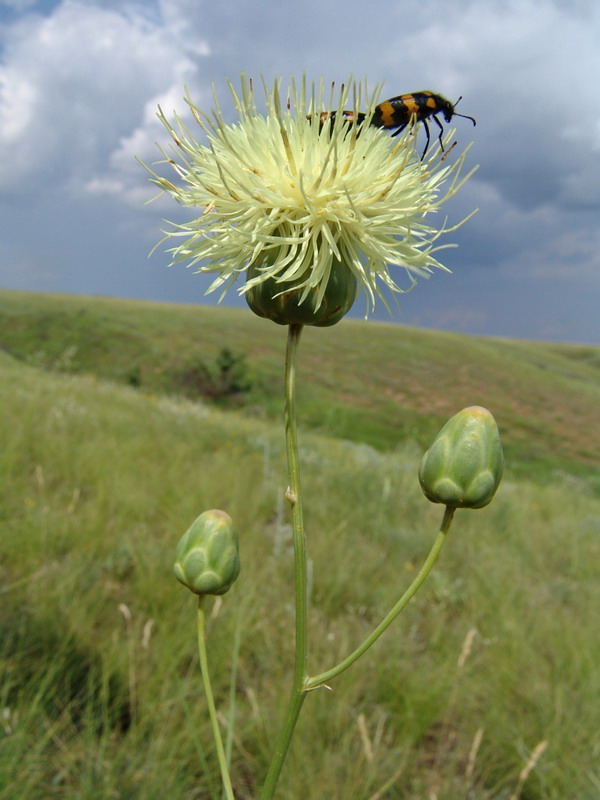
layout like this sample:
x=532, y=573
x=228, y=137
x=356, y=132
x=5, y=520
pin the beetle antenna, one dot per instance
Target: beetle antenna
x=464, y=116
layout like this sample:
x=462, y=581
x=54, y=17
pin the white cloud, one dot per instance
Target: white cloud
x=122, y=174
x=73, y=85
x=17, y=102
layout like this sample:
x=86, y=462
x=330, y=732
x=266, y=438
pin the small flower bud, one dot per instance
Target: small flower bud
x=463, y=466
x=207, y=557
x=286, y=303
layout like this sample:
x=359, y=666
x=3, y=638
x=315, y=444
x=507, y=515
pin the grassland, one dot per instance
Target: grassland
x=497, y=655
x=367, y=382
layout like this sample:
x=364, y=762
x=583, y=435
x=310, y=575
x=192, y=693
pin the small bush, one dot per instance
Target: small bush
x=225, y=379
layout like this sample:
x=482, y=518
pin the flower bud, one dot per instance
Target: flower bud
x=207, y=557
x=282, y=301
x=463, y=466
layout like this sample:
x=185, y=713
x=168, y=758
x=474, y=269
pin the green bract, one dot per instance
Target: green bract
x=207, y=557
x=295, y=304
x=463, y=466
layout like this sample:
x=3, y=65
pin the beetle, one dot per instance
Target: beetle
x=397, y=112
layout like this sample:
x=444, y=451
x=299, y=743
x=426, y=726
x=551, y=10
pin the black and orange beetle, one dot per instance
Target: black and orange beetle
x=397, y=112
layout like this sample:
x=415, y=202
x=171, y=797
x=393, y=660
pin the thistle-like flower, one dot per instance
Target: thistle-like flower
x=293, y=204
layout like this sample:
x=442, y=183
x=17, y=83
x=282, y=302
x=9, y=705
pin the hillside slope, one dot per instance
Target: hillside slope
x=363, y=381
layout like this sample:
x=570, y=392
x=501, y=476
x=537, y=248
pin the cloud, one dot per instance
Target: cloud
x=75, y=84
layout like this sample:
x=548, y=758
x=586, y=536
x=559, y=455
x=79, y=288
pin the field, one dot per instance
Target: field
x=120, y=425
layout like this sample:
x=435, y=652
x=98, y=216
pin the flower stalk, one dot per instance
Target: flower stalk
x=321, y=680
x=201, y=629
x=294, y=497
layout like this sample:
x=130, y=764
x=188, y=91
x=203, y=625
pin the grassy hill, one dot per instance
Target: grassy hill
x=379, y=384
x=100, y=688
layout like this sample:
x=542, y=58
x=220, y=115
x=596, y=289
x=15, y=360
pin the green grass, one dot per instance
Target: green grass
x=364, y=381
x=99, y=678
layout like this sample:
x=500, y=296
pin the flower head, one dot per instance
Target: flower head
x=463, y=467
x=207, y=558
x=286, y=199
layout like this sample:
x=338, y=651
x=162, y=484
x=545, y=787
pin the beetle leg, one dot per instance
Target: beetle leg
x=399, y=129
x=426, y=126
x=441, y=127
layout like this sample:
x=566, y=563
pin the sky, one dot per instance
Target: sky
x=80, y=82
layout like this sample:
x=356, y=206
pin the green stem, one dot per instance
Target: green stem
x=210, y=700
x=232, y=694
x=293, y=495
x=319, y=680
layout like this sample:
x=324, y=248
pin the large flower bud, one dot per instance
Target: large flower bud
x=283, y=303
x=463, y=466
x=207, y=556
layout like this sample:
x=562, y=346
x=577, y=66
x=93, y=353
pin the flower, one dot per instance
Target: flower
x=463, y=467
x=289, y=199
x=207, y=558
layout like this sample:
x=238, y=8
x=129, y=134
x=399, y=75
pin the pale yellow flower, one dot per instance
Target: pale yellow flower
x=285, y=191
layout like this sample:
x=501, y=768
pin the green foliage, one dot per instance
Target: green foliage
x=226, y=379
x=100, y=685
